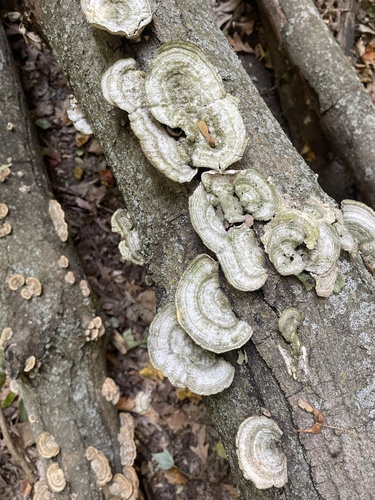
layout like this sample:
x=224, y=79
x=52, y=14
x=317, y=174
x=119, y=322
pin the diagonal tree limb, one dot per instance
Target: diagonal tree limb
x=338, y=375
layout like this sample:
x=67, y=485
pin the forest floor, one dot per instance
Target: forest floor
x=173, y=424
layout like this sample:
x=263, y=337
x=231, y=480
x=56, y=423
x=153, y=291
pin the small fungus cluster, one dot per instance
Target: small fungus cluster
x=5, y=227
x=30, y=287
x=95, y=329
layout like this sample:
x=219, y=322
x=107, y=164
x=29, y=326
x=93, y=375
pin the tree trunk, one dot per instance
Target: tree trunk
x=62, y=393
x=338, y=376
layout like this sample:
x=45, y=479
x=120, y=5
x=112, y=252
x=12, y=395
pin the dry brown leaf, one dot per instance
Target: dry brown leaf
x=186, y=393
x=231, y=490
x=202, y=449
x=151, y=372
x=305, y=406
x=177, y=421
x=175, y=476
x=238, y=45
x=211, y=141
x=81, y=139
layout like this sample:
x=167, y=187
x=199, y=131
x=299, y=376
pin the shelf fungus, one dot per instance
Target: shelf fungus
x=237, y=249
x=120, y=17
x=290, y=231
x=360, y=222
x=100, y=465
x=258, y=452
x=55, y=478
x=47, y=445
x=130, y=247
x=78, y=118
x=257, y=195
x=183, y=91
x=123, y=85
x=58, y=218
x=186, y=364
x=204, y=311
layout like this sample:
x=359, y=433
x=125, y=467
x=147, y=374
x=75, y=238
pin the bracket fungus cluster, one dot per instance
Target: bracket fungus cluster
x=185, y=363
x=182, y=91
x=258, y=452
x=120, y=17
x=125, y=437
x=55, y=478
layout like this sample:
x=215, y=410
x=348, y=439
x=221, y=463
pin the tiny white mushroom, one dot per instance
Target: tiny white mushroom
x=47, y=445
x=58, y=218
x=185, y=363
x=204, y=311
x=55, y=478
x=63, y=262
x=34, y=285
x=5, y=229
x=84, y=287
x=70, y=278
x=100, y=465
x=4, y=172
x=111, y=391
x=5, y=336
x=259, y=456
x=29, y=363
x=3, y=210
x=16, y=281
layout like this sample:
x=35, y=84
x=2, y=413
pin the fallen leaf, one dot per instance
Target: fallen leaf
x=219, y=450
x=238, y=45
x=202, y=449
x=177, y=421
x=164, y=460
x=231, y=490
x=175, y=476
x=305, y=406
x=186, y=393
x=81, y=139
x=151, y=372
x=211, y=141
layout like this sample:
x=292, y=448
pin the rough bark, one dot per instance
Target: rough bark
x=62, y=395
x=346, y=112
x=333, y=464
